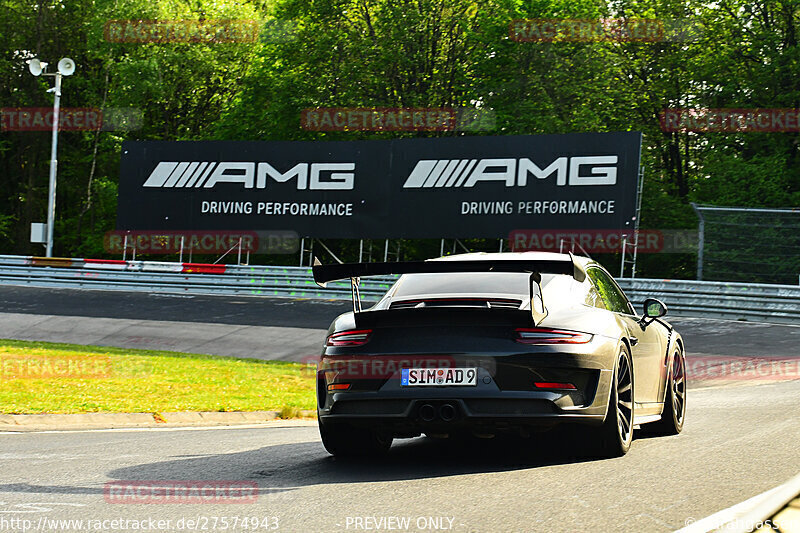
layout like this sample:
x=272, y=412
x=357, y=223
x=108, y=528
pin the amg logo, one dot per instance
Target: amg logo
x=251, y=175
x=514, y=172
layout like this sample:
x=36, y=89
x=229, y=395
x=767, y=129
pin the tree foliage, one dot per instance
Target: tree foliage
x=422, y=53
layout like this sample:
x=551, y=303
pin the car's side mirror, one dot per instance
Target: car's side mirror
x=654, y=308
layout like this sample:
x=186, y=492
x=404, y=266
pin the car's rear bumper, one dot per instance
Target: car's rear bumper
x=506, y=393
x=405, y=415
x=408, y=410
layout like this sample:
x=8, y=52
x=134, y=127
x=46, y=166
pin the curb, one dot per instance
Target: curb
x=779, y=506
x=133, y=420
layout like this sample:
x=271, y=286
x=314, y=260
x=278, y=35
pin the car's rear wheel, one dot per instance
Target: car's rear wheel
x=616, y=434
x=343, y=440
x=674, y=413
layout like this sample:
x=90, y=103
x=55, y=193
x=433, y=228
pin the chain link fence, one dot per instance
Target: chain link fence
x=749, y=245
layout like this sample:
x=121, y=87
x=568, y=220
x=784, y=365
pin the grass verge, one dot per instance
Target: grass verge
x=43, y=377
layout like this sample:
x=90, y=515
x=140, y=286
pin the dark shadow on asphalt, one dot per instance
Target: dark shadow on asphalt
x=29, y=488
x=307, y=463
x=282, y=468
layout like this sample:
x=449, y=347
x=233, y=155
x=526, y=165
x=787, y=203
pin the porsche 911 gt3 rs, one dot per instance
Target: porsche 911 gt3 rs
x=486, y=343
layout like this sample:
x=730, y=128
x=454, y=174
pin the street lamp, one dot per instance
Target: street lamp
x=66, y=67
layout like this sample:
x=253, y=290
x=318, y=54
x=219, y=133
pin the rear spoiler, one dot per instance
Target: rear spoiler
x=355, y=271
x=332, y=272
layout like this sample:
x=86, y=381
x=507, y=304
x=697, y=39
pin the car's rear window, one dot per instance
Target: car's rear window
x=557, y=290
x=464, y=283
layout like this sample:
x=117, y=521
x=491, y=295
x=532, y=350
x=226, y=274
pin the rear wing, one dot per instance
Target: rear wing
x=332, y=272
x=535, y=267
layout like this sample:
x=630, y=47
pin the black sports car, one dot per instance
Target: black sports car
x=484, y=343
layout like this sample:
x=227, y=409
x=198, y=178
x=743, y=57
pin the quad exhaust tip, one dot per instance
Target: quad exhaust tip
x=427, y=413
x=447, y=412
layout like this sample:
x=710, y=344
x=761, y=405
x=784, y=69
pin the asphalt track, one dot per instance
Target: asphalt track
x=272, y=328
x=740, y=440
x=261, y=328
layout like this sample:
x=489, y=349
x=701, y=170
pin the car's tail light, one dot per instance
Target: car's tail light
x=554, y=386
x=338, y=386
x=353, y=337
x=551, y=336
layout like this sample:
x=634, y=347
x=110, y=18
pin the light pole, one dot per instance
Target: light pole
x=66, y=67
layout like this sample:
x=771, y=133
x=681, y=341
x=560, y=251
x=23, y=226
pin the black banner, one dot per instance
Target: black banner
x=476, y=186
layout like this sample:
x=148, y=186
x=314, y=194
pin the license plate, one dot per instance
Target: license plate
x=437, y=377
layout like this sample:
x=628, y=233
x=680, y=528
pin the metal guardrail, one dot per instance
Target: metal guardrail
x=155, y=277
x=736, y=301
x=759, y=302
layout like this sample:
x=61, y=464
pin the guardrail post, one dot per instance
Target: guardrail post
x=302, y=249
x=622, y=261
x=701, y=234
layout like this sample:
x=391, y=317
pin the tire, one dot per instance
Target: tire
x=346, y=441
x=616, y=434
x=674, y=413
